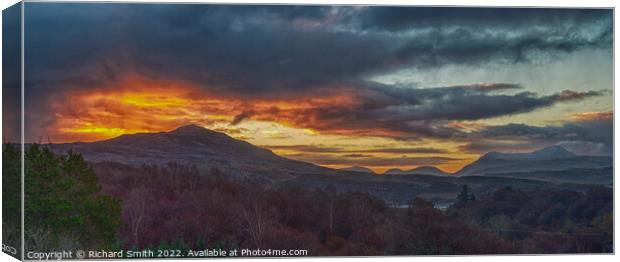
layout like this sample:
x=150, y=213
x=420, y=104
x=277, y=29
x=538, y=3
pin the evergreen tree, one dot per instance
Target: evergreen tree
x=63, y=204
x=464, y=196
x=11, y=196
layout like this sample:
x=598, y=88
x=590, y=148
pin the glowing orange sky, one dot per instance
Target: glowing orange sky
x=137, y=105
x=290, y=126
x=140, y=105
x=335, y=86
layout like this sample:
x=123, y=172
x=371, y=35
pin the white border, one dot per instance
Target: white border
x=508, y=3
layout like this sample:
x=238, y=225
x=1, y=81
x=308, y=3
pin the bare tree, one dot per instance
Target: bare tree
x=193, y=178
x=135, y=209
x=176, y=174
x=331, y=196
x=256, y=220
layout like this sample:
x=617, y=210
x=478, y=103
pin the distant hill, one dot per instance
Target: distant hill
x=428, y=170
x=360, y=169
x=422, y=170
x=552, y=152
x=600, y=176
x=193, y=145
x=554, y=158
x=394, y=171
x=206, y=149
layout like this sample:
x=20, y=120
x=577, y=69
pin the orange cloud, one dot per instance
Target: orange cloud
x=466, y=125
x=136, y=104
x=131, y=106
x=589, y=116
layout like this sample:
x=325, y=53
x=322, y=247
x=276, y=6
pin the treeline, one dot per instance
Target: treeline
x=545, y=221
x=70, y=204
x=181, y=207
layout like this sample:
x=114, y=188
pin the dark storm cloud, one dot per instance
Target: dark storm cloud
x=586, y=137
x=254, y=49
x=252, y=52
x=11, y=74
x=410, y=113
x=463, y=102
x=395, y=18
x=306, y=148
x=492, y=86
x=425, y=150
x=247, y=49
x=590, y=131
x=466, y=46
x=374, y=161
x=484, y=146
x=322, y=149
x=470, y=35
x=240, y=117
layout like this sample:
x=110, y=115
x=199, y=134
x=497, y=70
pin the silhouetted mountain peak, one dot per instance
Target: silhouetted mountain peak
x=358, y=169
x=552, y=158
x=551, y=152
x=428, y=170
x=191, y=144
x=421, y=170
x=198, y=133
x=394, y=171
x=554, y=152
x=191, y=129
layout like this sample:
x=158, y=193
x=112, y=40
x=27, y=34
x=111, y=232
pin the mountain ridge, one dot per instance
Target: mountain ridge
x=191, y=144
x=553, y=158
x=237, y=159
x=358, y=169
x=421, y=170
x=551, y=152
x=206, y=149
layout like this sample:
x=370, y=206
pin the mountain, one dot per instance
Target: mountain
x=360, y=169
x=422, y=170
x=207, y=149
x=427, y=170
x=394, y=171
x=194, y=145
x=552, y=152
x=553, y=158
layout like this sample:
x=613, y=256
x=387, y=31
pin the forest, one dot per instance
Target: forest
x=74, y=204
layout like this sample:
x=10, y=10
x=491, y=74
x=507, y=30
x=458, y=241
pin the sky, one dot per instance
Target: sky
x=339, y=86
